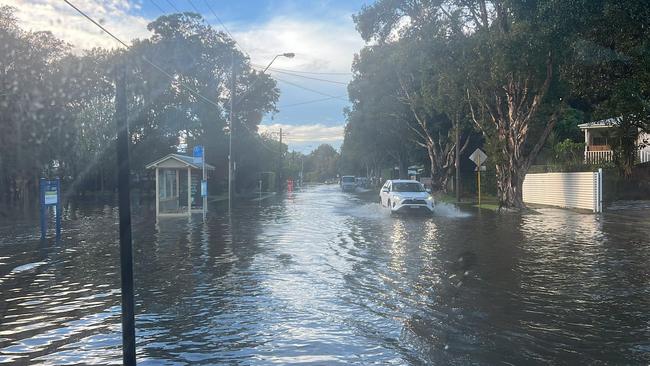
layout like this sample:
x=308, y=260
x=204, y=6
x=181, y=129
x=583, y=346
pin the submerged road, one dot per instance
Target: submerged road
x=324, y=277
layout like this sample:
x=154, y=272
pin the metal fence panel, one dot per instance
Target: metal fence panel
x=582, y=190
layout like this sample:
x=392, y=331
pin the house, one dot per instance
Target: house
x=598, y=139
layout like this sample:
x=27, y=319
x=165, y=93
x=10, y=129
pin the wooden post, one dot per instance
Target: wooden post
x=479, y=186
x=157, y=193
x=189, y=191
x=178, y=184
x=586, y=145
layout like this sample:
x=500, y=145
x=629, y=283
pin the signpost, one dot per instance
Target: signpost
x=50, y=195
x=197, y=154
x=199, y=158
x=478, y=157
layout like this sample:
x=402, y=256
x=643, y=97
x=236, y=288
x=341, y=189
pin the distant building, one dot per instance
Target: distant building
x=598, y=138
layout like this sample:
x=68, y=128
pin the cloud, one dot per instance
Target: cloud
x=307, y=137
x=326, y=45
x=319, y=45
x=65, y=23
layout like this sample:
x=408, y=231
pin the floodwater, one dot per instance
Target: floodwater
x=324, y=277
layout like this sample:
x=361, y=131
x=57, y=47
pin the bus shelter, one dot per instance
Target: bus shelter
x=178, y=185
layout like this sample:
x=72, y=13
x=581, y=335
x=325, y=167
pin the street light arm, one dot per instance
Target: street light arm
x=286, y=54
x=270, y=63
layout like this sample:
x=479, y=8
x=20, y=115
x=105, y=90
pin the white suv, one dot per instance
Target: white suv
x=405, y=195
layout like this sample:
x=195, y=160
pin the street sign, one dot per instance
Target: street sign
x=50, y=192
x=478, y=157
x=197, y=153
x=483, y=168
x=50, y=195
x=204, y=188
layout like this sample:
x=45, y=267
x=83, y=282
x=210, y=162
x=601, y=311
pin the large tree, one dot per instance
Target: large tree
x=57, y=107
x=510, y=63
x=190, y=98
x=377, y=122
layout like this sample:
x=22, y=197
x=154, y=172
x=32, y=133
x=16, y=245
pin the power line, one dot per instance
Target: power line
x=310, y=72
x=309, y=89
x=173, y=6
x=249, y=89
x=157, y=6
x=309, y=102
x=307, y=77
x=160, y=69
x=97, y=24
x=207, y=4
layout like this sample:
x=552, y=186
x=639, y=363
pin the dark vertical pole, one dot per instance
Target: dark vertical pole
x=232, y=129
x=280, y=185
x=457, y=159
x=126, y=247
x=58, y=208
x=43, y=208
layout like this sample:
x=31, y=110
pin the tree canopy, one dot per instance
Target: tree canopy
x=57, y=106
x=515, y=71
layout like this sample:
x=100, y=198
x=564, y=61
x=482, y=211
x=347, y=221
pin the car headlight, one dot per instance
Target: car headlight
x=397, y=199
x=430, y=198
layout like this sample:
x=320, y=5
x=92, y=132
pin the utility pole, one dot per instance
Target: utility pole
x=231, y=128
x=302, y=170
x=280, y=165
x=204, y=187
x=126, y=245
x=457, y=158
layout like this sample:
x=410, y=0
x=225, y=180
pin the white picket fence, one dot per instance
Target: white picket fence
x=582, y=190
x=644, y=156
x=596, y=157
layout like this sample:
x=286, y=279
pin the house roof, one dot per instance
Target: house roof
x=183, y=159
x=603, y=123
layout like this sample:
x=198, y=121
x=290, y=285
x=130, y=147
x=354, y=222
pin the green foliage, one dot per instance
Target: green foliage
x=525, y=70
x=567, y=125
x=569, y=152
x=321, y=164
x=57, y=107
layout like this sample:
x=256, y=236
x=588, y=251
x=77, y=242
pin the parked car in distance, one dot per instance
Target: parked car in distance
x=362, y=182
x=348, y=183
x=406, y=196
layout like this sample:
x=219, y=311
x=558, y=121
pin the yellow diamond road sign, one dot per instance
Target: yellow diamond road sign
x=478, y=157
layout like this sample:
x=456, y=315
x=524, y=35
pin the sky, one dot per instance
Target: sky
x=321, y=33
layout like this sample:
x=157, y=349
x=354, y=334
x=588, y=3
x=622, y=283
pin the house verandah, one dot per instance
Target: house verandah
x=598, y=147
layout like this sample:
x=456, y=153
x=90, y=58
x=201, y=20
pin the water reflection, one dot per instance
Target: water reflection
x=323, y=277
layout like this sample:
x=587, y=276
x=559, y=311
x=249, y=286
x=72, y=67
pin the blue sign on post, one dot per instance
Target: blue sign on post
x=204, y=188
x=197, y=153
x=50, y=195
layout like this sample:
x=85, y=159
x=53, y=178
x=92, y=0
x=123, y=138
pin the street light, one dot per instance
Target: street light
x=286, y=54
x=232, y=111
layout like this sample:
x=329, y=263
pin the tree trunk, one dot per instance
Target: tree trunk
x=507, y=114
x=403, y=168
x=509, y=187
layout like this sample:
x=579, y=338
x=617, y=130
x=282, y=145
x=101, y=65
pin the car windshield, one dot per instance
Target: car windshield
x=407, y=187
x=347, y=179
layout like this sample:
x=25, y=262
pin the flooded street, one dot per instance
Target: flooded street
x=325, y=277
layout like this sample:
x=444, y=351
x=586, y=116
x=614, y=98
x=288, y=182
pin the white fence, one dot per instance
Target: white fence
x=582, y=190
x=596, y=157
x=644, y=156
